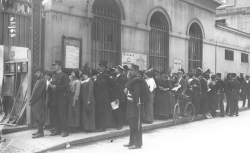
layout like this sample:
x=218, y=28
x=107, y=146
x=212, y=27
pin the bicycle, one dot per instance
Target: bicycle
x=188, y=110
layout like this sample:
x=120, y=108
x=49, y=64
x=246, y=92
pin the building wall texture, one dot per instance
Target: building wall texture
x=73, y=18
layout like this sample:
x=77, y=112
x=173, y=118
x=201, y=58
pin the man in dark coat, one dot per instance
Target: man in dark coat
x=135, y=99
x=37, y=102
x=245, y=91
x=220, y=89
x=101, y=93
x=234, y=87
x=204, y=95
x=58, y=100
x=117, y=96
x=241, y=79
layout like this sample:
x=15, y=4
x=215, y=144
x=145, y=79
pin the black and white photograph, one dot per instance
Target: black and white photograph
x=143, y=76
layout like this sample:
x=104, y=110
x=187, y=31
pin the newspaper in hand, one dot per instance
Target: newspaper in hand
x=176, y=88
x=115, y=105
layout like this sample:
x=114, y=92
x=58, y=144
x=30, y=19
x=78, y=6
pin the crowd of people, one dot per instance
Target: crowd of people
x=95, y=99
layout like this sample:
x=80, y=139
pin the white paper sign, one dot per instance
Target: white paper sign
x=138, y=59
x=72, y=57
x=177, y=65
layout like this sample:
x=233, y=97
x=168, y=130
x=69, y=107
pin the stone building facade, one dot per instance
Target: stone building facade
x=161, y=33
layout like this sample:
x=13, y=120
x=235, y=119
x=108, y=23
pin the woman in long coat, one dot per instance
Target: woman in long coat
x=195, y=83
x=87, y=102
x=73, y=112
x=164, y=101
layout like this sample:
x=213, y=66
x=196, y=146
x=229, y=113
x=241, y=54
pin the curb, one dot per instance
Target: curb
x=123, y=132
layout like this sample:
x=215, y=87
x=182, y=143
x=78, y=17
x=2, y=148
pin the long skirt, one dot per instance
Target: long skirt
x=88, y=121
x=164, y=104
x=149, y=109
x=73, y=116
x=196, y=102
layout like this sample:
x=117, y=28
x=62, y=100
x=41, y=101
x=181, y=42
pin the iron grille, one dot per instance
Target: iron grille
x=159, y=47
x=105, y=37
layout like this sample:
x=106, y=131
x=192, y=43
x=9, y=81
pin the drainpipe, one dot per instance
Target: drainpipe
x=225, y=6
x=215, y=57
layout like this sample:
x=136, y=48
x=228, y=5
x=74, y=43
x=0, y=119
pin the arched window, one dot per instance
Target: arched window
x=106, y=33
x=195, y=47
x=159, y=42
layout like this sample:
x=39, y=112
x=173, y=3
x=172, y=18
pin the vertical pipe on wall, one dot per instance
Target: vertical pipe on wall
x=215, y=57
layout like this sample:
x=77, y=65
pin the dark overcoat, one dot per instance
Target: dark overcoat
x=38, y=98
x=101, y=92
x=118, y=89
x=196, y=94
x=245, y=88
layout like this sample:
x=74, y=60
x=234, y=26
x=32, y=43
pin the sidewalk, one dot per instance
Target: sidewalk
x=23, y=143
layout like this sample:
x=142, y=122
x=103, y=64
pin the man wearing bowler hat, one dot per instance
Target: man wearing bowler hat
x=136, y=97
x=117, y=96
x=101, y=93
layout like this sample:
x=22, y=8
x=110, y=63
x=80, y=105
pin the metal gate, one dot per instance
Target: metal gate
x=195, y=49
x=105, y=37
x=159, y=47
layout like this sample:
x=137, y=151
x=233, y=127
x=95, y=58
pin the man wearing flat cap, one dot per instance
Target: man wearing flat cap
x=117, y=96
x=58, y=100
x=101, y=93
x=37, y=102
x=136, y=96
x=245, y=91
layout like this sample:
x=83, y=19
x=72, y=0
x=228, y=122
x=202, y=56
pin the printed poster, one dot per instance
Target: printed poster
x=72, y=57
x=138, y=59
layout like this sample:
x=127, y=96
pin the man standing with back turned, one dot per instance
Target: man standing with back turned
x=135, y=100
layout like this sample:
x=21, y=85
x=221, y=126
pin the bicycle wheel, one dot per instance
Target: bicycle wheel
x=176, y=114
x=190, y=112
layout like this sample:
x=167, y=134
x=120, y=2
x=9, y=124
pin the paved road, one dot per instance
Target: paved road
x=225, y=135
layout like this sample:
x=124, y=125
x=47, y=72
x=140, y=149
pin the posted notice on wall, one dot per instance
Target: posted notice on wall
x=72, y=57
x=177, y=65
x=138, y=59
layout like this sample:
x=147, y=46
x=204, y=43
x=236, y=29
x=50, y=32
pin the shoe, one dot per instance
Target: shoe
x=237, y=115
x=38, y=135
x=222, y=115
x=100, y=130
x=134, y=147
x=34, y=133
x=230, y=115
x=65, y=134
x=51, y=130
x=119, y=128
x=128, y=145
x=55, y=133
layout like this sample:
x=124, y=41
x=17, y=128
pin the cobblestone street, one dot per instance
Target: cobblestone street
x=227, y=134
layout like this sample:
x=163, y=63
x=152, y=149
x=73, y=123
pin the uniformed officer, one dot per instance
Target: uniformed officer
x=233, y=94
x=135, y=99
x=220, y=88
x=58, y=102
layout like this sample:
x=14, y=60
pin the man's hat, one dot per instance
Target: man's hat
x=233, y=75
x=218, y=74
x=166, y=71
x=198, y=70
x=229, y=75
x=86, y=70
x=125, y=67
x=59, y=63
x=121, y=69
x=103, y=63
x=136, y=67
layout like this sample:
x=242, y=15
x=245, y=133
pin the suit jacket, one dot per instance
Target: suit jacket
x=245, y=87
x=38, y=97
x=101, y=92
x=118, y=89
x=183, y=88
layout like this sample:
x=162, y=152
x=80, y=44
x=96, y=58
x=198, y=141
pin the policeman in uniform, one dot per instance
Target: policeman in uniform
x=133, y=91
x=58, y=100
x=233, y=94
x=220, y=88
